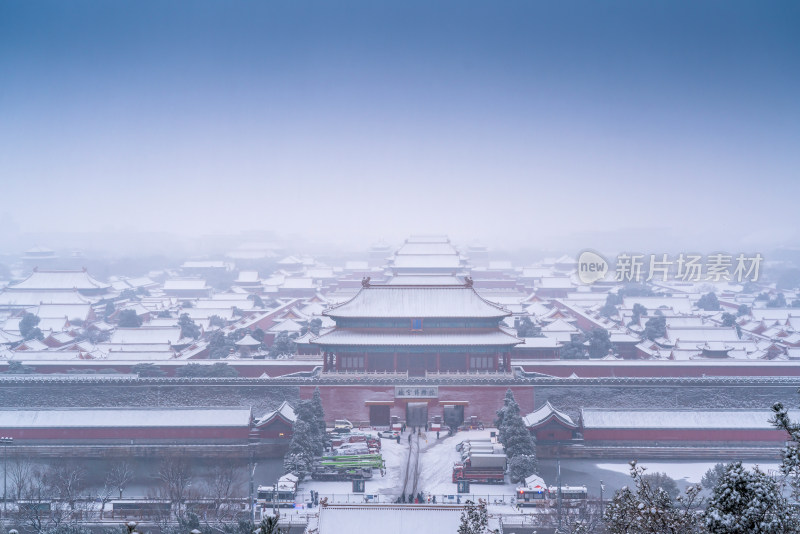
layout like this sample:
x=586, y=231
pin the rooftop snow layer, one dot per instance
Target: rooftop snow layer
x=417, y=302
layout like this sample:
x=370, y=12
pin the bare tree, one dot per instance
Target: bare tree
x=20, y=473
x=175, y=477
x=225, y=482
x=68, y=480
x=37, y=510
x=119, y=476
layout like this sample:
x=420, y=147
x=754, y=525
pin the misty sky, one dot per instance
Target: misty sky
x=510, y=121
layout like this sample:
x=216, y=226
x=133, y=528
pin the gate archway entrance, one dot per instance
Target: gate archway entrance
x=379, y=415
x=453, y=415
x=417, y=414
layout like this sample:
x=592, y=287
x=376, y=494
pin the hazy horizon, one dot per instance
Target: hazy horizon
x=561, y=125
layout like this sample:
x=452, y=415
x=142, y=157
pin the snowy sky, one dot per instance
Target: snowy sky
x=514, y=122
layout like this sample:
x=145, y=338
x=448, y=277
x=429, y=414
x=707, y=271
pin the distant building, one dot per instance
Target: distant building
x=417, y=329
x=39, y=257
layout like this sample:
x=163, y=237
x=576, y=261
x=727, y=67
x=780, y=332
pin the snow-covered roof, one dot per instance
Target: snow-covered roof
x=536, y=272
x=70, y=311
x=427, y=238
x=298, y=283
x=679, y=419
x=124, y=418
x=559, y=325
x=31, y=297
x=320, y=272
x=33, y=344
x=389, y=519
x=285, y=411
x=247, y=341
x=144, y=335
x=703, y=334
x=417, y=302
x=424, y=280
x=210, y=264
x=42, y=355
x=343, y=336
x=678, y=304
x=543, y=342
x=243, y=304
x=287, y=325
x=247, y=276
x=185, y=285
x=8, y=338
x=444, y=249
x=551, y=282
x=61, y=280
x=546, y=412
x=424, y=261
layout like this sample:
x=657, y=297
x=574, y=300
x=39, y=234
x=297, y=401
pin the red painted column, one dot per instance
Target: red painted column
x=438, y=362
x=466, y=360
x=366, y=361
x=395, y=361
x=325, y=361
x=496, y=357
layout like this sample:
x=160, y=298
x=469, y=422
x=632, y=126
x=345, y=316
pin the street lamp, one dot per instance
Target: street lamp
x=252, y=494
x=602, y=487
x=5, y=441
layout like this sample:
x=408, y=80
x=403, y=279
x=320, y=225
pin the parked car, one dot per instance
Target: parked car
x=342, y=425
x=390, y=434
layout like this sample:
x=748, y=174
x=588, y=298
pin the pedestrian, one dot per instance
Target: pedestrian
x=409, y=439
x=398, y=439
x=437, y=434
x=434, y=499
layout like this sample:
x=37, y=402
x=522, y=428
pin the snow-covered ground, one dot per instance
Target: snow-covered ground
x=689, y=472
x=436, y=467
x=436, y=464
x=394, y=455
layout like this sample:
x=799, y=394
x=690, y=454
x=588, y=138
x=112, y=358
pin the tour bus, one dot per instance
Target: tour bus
x=540, y=496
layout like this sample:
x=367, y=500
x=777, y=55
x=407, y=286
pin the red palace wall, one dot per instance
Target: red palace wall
x=248, y=370
x=139, y=433
x=350, y=402
x=274, y=430
x=661, y=370
x=553, y=434
x=725, y=435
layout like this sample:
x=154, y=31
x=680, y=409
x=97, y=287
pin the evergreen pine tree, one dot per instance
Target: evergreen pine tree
x=519, y=444
x=498, y=422
x=474, y=518
x=319, y=414
x=747, y=501
x=188, y=327
x=302, y=449
x=645, y=509
x=305, y=412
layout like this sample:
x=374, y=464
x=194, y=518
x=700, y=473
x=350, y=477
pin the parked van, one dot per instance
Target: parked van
x=342, y=425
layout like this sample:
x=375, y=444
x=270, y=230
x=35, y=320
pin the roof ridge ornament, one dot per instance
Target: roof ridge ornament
x=365, y=281
x=467, y=281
